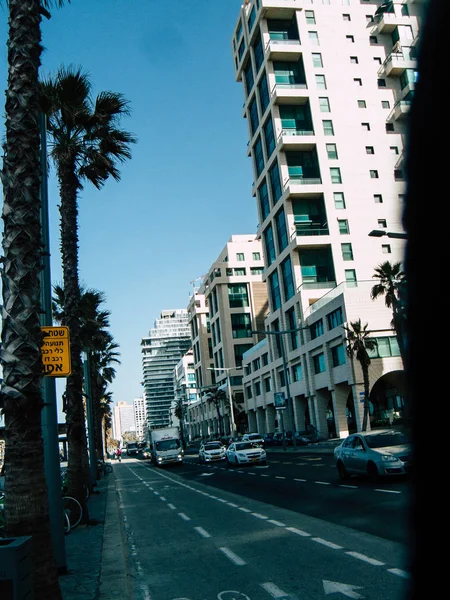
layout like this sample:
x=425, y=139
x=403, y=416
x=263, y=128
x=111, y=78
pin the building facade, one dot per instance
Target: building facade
x=140, y=417
x=166, y=343
x=123, y=420
x=230, y=303
x=327, y=90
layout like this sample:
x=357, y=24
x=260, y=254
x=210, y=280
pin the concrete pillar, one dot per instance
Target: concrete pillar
x=252, y=425
x=339, y=396
x=270, y=415
x=300, y=404
x=320, y=407
x=260, y=421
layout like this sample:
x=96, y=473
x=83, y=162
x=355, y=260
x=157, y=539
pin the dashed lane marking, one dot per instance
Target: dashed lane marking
x=237, y=560
x=367, y=559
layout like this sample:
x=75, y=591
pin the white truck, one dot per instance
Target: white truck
x=165, y=446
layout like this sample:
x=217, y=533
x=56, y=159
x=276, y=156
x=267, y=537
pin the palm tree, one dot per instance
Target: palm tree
x=26, y=503
x=392, y=285
x=217, y=397
x=358, y=344
x=85, y=144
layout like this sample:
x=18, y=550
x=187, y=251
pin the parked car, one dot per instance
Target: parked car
x=245, y=453
x=253, y=437
x=269, y=439
x=211, y=451
x=308, y=436
x=146, y=453
x=382, y=452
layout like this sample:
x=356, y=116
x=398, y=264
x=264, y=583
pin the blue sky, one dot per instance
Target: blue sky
x=187, y=188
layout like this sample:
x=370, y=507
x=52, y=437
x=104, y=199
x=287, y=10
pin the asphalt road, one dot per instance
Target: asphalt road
x=191, y=536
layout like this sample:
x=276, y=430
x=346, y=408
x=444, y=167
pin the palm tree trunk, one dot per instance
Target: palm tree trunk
x=26, y=502
x=78, y=463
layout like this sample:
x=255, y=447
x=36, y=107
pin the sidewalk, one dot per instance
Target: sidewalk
x=96, y=566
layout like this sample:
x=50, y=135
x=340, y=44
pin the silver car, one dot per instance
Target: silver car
x=211, y=452
x=381, y=452
x=245, y=453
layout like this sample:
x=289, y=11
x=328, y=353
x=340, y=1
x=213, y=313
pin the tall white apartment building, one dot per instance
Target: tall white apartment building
x=229, y=304
x=327, y=89
x=123, y=420
x=166, y=343
x=140, y=417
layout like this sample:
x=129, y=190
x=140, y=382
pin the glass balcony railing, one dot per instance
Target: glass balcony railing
x=295, y=132
x=302, y=229
x=301, y=180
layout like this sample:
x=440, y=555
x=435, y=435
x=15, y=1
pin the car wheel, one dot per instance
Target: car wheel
x=343, y=475
x=372, y=471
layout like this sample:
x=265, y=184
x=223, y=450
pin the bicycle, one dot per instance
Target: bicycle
x=73, y=512
x=64, y=484
x=104, y=468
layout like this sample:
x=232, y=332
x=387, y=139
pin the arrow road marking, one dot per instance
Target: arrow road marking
x=331, y=587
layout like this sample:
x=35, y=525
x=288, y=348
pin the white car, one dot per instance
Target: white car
x=245, y=453
x=211, y=452
x=253, y=437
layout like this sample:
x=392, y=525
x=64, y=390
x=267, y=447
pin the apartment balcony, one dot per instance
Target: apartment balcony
x=298, y=186
x=310, y=228
x=400, y=111
x=396, y=63
x=290, y=93
x=296, y=139
x=280, y=50
x=387, y=22
x=279, y=9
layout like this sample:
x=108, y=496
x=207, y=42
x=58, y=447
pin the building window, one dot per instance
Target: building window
x=324, y=104
x=237, y=295
x=339, y=200
x=265, y=359
x=338, y=355
x=229, y=272
x=319, y=363
x=253, y=117
x=357, y=81
x=373, y=174
x=240, y=256
x=258, y=157
x=350, y=277
x=310, y=17
x=382, y=223
x=347, y=251
x=248, y=391
x=288, y=280
x=317, y=59
x=248, y=75
x=377, y=59
x=335, y=173
x=362, y=104
x=370, y=150
x=378, y=198
x=401, y=197
x=241, y=49
x=258, y=51
x=264, y=205
x=399, y=175
x=386, y=346
x=335, y=318
x=313, y=38
x=282, y=235
x=373, y=40
x=268, y=384
x=366, y=126
x=369, y=18
x=257, y=388
x=251, y=19
x=241, y=325
x=269, y=137
x=343, y=226
x=346, y=17
x=274, y=286
x=316, y=329
x=292, y=326
x=297, y=372
x=264, y=97
x=381, y=82
x=275, y=182
x=332, y=151
x=350, y=39
x=241, y=272
x=389, y=126
x=256, y=270
x=393, y=149
x=354, y=60
x=269, y=245
x=386, y=248
x=321, y=83
x=239, y=351
x=385, y=104
x=328, y=127
x=256, y=255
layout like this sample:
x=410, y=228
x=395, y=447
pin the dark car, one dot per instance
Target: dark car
x=308, y=436
x=269, y=439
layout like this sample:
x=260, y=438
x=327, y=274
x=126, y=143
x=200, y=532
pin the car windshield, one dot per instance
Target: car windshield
x=254, y=437
x=382, y=440
x=167, y=445
x=246, y=446
x=213, y=447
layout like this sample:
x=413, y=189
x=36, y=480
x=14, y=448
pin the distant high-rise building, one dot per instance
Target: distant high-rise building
x=140, y=417
x=123, y=420
x=167, y=342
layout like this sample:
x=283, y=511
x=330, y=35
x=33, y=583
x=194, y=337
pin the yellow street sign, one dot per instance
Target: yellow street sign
x=56, y=351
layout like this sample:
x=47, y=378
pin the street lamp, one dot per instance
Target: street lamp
x=227, y=370
x=389, y=234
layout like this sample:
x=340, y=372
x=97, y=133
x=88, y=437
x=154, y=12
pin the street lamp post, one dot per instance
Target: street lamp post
x=230, y=397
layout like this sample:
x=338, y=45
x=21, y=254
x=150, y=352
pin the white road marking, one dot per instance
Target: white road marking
x=327, y=543
x=299, y=479
x=202, y=532
x=250, y=473
x=264, y=475
x=279, y=477
x=351, y=487
x=298, y=531
x=184, y=517
x=163, y=499
x=237, y=560
x=232, y=504
x=172, y=506
x=156, y=493
x=388, y=491
x=367, y=559
x=278, y=523
x=322, y=482
x=247, y=510
x=273, y=590
x=259, y=516
x=222, y=500
x=287, y=462
x=239, y=471
x=399, y=572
